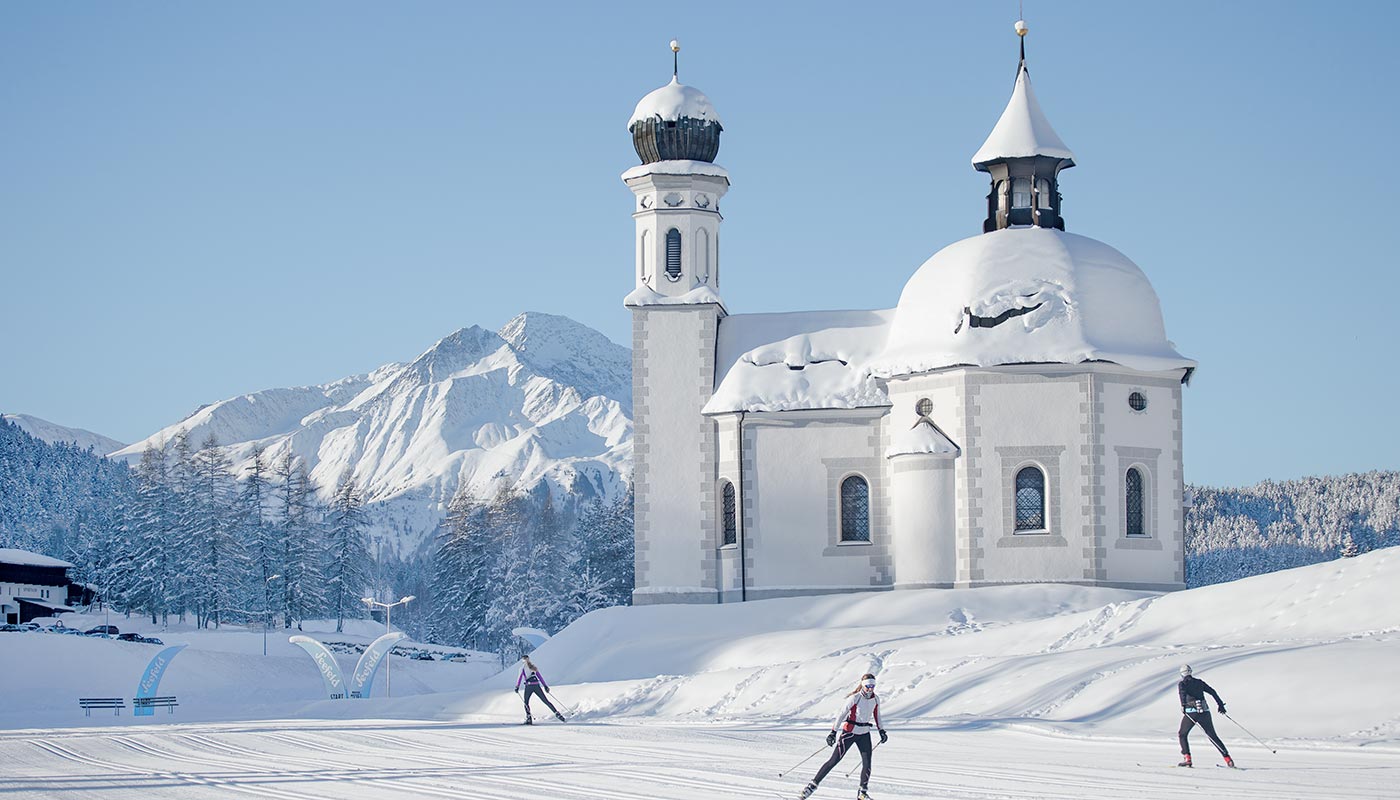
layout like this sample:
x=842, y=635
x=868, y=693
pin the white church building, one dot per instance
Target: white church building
x=1016, y=417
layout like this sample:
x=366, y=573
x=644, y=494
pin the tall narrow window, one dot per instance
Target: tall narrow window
x=702, y=256
x=1134, y=500
x=1030, y=499
x=645, y=260
x=855, y=509
x=728, y=514
x=1021, y=193
x=1042, y=193
x=673, y=254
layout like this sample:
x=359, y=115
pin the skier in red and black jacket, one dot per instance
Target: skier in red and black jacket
x=1192, y=692
x=859, y=715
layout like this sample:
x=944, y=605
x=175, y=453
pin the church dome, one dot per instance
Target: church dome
x=675, y=123
x=1027, y=295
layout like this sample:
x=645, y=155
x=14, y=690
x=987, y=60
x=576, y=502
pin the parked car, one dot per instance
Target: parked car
x=129, y=637
x=421, y=655
x=151, y=640
x=29, y=626
x=9, y=627
x=103, y=630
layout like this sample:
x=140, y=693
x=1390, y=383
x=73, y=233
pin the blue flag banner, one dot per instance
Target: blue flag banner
x=362, y=682
x=325, y=662
x=150, y=679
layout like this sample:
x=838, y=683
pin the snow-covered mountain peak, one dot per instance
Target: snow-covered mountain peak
x=572, y=353
x=454, y=353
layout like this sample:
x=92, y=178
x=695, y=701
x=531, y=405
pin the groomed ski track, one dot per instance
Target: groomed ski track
x=632, y=760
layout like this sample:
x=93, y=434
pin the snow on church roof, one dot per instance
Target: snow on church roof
x=1023, y=296
x=1023, y=129
x=802, y=360
x=672, y=102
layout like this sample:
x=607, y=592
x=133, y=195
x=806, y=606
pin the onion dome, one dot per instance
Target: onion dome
x=675, y=123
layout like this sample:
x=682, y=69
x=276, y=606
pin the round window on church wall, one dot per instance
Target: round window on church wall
x=1137, y=401
x=924, y=407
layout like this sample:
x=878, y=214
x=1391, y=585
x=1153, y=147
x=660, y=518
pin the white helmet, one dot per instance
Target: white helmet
x=1185, y=670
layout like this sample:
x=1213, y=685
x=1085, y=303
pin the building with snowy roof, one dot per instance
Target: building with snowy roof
x=1015, y=418
x=32, y=585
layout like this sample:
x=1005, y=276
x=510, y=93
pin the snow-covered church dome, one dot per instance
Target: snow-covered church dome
x=675, y=123
x=1027, y=295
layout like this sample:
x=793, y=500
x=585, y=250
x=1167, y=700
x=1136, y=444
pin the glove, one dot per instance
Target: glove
x=831, y=739
x=884, y=737
x=517, y=690
x=1220, y=708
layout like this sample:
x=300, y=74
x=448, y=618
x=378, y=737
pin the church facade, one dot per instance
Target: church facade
x=1015, y=418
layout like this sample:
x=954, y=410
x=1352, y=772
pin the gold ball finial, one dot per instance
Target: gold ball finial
x=1022, y=28
x=675, y=46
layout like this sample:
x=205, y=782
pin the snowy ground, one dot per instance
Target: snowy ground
x=1016, y=692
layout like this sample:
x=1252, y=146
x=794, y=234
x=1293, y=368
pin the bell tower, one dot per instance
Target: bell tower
x=676, y=312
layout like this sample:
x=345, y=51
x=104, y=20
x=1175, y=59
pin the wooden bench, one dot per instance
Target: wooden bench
x=89, y=703
x=168, y=703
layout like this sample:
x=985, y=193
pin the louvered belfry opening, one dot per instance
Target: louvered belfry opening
x=684, y=139
x=673, y=254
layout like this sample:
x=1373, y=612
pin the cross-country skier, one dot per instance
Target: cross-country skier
x=859, y=715
x=1192, y=692
x=533, y=680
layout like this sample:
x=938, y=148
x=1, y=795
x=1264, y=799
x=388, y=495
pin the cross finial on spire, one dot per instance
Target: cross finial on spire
x=675, y=58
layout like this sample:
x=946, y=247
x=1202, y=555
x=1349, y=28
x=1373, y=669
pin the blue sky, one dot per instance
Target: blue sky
x=201, y=200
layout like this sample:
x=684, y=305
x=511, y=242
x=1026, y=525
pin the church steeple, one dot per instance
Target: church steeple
x=1024, y=157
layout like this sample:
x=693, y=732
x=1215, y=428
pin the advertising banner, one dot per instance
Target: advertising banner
x=325, y=662
x=150, y=679
x=361, y=683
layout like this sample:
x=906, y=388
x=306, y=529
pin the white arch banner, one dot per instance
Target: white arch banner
x=325, y=662
x=362, y=681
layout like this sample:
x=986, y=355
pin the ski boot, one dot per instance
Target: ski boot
x=1185, y=760
x=560, y=717
x=529, y=720
x=1230, y=762
x=861, y=795
x=807, y=791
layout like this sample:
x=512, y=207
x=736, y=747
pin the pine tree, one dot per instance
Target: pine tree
x=347, y=557
x=465, y=569
x=219, y=566
x=258, y=534
x=299, y=542
x=154, y=561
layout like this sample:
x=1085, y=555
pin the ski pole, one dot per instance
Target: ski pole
x=862, y=761
x=803, y=761
x=1246, y=730
x=572, y=711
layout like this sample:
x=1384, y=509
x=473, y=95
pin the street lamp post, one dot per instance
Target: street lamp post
x=267, y=608
x=388, y=610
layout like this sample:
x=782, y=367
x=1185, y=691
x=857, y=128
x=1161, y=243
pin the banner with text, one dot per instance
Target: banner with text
x=325, y=662
x=361, y=683
x=150, y=679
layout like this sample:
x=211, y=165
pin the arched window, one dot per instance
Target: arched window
x=646, y=256
x=673, y=254
x=1134, y=516
x=702, y=256
x=1030, y=499
x=855, y=509
x=1021, y=193
x=1042, y=193
x=728, y=514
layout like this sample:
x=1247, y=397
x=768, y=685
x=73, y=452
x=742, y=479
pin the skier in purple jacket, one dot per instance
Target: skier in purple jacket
x=534, y=685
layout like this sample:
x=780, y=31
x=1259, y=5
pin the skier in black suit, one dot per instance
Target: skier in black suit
x=1192, y=692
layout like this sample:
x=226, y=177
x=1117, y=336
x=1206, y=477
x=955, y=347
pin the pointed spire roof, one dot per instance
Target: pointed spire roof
x=1023, y=130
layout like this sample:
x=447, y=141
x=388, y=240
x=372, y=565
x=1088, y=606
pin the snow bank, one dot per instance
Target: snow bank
x=1063, y=658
